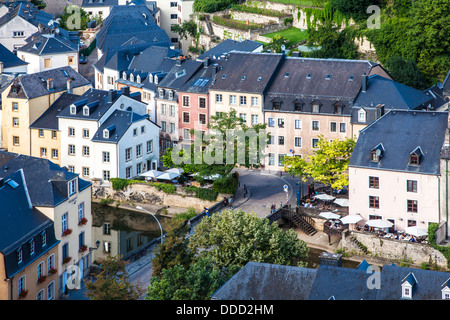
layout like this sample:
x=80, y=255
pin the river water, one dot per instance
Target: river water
x=124, y=232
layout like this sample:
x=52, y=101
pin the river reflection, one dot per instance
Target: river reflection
x=122, y=232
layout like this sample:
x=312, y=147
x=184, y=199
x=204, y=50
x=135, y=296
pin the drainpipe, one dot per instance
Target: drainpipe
x=446, y=199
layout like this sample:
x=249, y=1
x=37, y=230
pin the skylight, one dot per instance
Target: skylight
x=12, y=184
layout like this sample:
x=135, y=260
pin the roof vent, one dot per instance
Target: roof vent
x=243, y=77
x=308, y=76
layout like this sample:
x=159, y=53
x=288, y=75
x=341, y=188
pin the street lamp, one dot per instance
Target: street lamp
x=140, y=208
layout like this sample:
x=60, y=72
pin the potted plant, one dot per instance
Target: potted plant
x=66, y=232
x=23, y=294
x=66, y=260
x=82, y=222
x=42, y=279
x=52, y=271
x=83, y=248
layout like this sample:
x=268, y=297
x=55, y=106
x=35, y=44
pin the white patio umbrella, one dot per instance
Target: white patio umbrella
x=341, y=202
x=212, y=177
x=168, y=176
x=151, y=174
x=324, y=197
x=379, y=223
x=329, y=215
x=416, y=231
x=175, y=170
x=351, y=218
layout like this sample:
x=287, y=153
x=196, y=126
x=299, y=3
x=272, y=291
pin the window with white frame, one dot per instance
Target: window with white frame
x=19, y=255
x=163, y=108
x=254, y=119
x=80, y=211
x=139, y=150
x=186, y=101
x=333, y=126
x=86, y=133
x=172, y=110
x=72, y=187
x=106, y=175
x=71, y=132
x=128, y=154
x=21, y=284
x=150, y=146
x=315, y=125
x=32, y=246
x=128, y=172
x=86, y=151
x=298, y=141
x=51, y=290
x=64, y=222
x=71, y=149
x=40, y=270
x=172, y=127
x=43, y=152
x=218, y=97
x=254, y=101
x=342, y=127
x=139, y=168
x=232, y=99
x=298, y=124
x=55, y=153
x=51, y=262
x=243, y=100
x=106, y=156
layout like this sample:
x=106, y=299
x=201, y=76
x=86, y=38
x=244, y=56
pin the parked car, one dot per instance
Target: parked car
x=82, y=59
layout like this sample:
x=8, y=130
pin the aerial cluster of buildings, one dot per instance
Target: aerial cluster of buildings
x=60, y=131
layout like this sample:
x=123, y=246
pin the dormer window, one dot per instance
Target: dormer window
x=377, y=153
x=170, y=94
x=156, y=79
x=362, y=115
x=85, y=110
x=408, y=284
x=124, y=75
x=73, y=109
x=414, y=157
x=161, y=93
x=338, y=108
x=19, y=255
x=138, y=79
x=298, y=105
x=315, y=107
x=131, y=77
x=72, y=187
x=276, y=105
x=106, y=134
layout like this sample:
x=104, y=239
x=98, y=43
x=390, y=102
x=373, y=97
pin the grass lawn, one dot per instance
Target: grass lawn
x=294, y=35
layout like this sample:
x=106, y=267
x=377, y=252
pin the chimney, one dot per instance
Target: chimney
x=331, y=259
x=364, y=83
x=206, y=62
x=69, y=86
x=1, y=67
x=126, y=91
x=112, y=94
x=50, y=84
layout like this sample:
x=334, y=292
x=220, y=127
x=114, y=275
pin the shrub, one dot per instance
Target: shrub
x=203, y=193
x=226, y=185
x=165, y=187
x=235, y=24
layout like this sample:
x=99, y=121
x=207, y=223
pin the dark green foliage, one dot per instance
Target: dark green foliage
x=334, y=43
x=209, y=6
x=355, y=9
x=406, y=72
x=203, y=193
x=226, y=185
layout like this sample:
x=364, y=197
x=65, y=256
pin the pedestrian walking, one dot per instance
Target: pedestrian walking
x=273, y=207
x=230, y=201
x=225, y=202
x=206, y=211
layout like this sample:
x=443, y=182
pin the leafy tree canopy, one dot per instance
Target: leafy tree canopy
x=406, y=72
x=234, y=237
x=328, y=164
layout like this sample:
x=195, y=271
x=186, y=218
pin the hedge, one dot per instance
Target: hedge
x=203, y=193
x=235, y=24
x=120, y=184
x=261, y=11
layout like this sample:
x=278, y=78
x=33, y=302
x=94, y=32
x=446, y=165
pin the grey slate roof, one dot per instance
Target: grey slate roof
x=263, y=281
x=28, y=12
x=202, y=79
x=180, y=73
x=97, y=3
x=392, y=94
x=48, y=120
x=117, y=124
x=98, y=98
x=125, y=22
x=229, y=45
x=401, y=132
x=35, y=84
x=247, y=72
x=428, y=286
x=9, y=59
x=325, y=81
x=119, y=58
x=20, y=223
x=45, y=44
x=46, y=181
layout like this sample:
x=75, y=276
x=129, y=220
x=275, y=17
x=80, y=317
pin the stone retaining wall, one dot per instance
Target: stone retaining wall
x=409, y=252
x=144, y=193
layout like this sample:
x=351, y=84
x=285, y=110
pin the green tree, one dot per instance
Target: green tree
x=328, y=164
x=40, y=4
x=210, y=154
x=112, y=282
x=234, y=237
x=198, y=282
x=187, y=28
x=276, y=42
x=74, y=18
x=406, y=72
x=333, y=43
x=174, y=250
x=355, y=9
